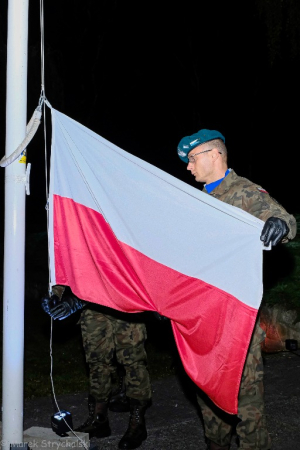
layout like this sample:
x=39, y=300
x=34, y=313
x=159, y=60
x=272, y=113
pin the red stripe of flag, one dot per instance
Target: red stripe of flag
x=212, y=334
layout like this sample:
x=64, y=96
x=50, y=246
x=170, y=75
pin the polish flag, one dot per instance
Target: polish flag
x=127, y=235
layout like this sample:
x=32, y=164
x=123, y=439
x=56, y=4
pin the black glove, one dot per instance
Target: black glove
x=159, y=316
x=60, y=309
x=273, y=231
x=48, y=303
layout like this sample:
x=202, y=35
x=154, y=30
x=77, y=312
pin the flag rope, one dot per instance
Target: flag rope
x=45, y=102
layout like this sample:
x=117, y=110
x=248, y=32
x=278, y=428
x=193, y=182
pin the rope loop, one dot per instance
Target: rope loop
x=31, y=129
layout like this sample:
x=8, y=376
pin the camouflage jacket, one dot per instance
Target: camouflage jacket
x=58, y=290
x=250, y=197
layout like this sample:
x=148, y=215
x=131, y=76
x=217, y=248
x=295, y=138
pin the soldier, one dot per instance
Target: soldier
x=107, y=333
x=206, y=155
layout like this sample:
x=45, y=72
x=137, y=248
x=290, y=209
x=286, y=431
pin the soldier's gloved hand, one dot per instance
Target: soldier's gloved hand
x=67, y=306
x=48, y=303
x=61, y=308
x=273, y=231
x=159, y=316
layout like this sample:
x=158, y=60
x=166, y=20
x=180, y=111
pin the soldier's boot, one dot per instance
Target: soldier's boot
x=119, y=402
x=136, y=432
x=213, y=446
x=97, y=424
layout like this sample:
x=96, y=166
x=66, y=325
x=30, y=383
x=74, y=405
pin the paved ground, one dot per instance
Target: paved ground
x=173, y=422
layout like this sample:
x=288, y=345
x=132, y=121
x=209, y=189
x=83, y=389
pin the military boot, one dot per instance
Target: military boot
x=97, y=424
x=136, y=432
x=213, y=446
x=119, y=402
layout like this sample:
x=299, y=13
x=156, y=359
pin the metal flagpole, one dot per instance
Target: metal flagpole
x=14, y=227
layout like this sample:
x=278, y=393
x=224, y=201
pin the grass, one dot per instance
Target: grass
x=70, y=372
x=282, y=275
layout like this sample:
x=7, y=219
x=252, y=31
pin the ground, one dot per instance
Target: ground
x=173, y=421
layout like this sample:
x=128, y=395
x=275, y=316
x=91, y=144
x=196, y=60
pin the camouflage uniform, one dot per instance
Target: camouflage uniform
x=251, y=425
x=106, y=332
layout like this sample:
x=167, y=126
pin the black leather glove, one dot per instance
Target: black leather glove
x=48, y=303
x=159, y=316
x=61, y=309
x=273, y=231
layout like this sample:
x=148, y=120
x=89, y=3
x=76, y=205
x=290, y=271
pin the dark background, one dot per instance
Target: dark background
x=145, y=74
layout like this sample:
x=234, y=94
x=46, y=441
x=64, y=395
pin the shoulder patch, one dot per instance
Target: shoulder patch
x=260, y=189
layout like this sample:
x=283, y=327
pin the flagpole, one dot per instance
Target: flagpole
x=14, y=226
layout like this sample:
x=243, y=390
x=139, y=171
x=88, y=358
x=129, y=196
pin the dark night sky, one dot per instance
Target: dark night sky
x=145, y=74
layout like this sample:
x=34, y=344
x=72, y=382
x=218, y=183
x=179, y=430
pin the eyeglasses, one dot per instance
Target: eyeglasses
x=192, y=157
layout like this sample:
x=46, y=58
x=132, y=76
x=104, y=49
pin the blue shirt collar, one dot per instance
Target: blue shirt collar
x=211, y=186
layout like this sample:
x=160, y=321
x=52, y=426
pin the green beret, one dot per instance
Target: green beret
x=189, y=142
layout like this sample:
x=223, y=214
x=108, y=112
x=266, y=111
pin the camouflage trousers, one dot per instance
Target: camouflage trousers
x=106, y=336
x=250, y=422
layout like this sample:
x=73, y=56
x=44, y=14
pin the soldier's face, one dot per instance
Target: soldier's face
x=201, y=163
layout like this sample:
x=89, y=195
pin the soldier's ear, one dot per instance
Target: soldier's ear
x=215, y=153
